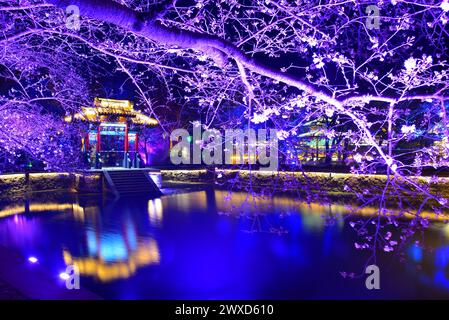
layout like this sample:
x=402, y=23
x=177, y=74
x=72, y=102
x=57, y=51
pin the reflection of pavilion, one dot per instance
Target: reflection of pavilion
x=111, y=255
x=122, y=263
x=113, y=138
x=106, y=254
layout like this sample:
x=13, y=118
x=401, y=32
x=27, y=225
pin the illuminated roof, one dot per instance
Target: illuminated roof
x=103, y=108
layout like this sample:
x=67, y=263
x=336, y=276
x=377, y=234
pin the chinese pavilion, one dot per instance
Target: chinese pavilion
x=112, y=139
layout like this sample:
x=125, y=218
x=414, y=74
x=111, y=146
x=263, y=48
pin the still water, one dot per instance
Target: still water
x=211, y=245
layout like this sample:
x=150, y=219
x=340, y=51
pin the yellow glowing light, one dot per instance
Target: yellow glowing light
x=146, y=254
x=49, y=175
x=40, y=207
x=197, y=171
x=124, y=105
x=78, y=212
x=155, y=211
x=110, y=107
x=237, y=159
x=11, y=211
x=12, y=176
x=144, y=120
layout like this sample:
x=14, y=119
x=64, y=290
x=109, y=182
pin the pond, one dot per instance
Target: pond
x=209, y=244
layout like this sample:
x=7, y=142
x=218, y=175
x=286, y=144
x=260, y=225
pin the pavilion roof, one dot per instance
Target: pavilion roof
x=104, y=108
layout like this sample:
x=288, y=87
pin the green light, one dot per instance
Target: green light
x=189, y=138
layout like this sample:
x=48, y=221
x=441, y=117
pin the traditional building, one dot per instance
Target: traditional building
x=112, y=139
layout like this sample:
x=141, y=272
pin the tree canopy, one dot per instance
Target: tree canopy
x=374, y=73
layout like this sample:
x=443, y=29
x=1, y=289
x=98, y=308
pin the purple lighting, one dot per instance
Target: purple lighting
x=272, y=117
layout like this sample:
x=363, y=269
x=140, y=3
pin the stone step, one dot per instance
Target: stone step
x=127, y=182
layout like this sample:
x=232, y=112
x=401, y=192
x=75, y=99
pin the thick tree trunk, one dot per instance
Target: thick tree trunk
x=217, y=48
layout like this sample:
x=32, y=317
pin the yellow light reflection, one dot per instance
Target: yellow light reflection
x=186, y=202
x=155, y=211
x=11, y=211
x=445, y=230
x=238, y=199
x=146, y=254
x=78, y=212
x=37, y=207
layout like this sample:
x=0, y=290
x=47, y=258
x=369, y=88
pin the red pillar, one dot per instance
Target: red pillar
x=98, y=139
x=136, y=143
x=126, y=138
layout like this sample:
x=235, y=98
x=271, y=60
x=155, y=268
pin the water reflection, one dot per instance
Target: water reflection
x=314, y=216
x=187, y=202
x=112, y=254
x=238, y=202
x=212, y=244
x=12, y=210
x=155, y=211
x=101, y=252
x=120, y=262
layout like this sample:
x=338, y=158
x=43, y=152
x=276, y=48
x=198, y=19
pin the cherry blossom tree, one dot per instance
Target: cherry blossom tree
x=39, y=85
x=381, y=80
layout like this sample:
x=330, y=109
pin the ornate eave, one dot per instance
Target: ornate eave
x=121, y=110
